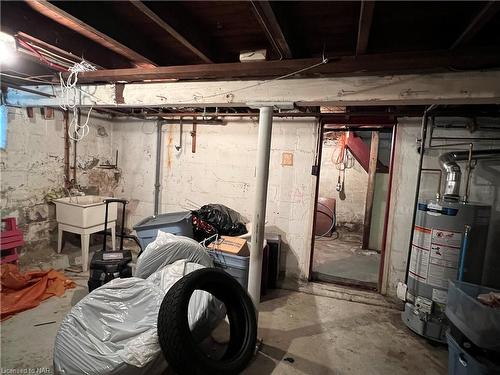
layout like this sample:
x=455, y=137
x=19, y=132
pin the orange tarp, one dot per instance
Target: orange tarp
x=21, y=292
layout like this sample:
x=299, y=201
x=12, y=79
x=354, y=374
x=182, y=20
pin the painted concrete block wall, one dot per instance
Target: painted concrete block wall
x=136, y=141
x=223, y=171
x=32, y=168
x=351, y=202
x=485, y=184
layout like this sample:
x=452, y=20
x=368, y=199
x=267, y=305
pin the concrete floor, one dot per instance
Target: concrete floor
x=341, y=256
x=318, y=335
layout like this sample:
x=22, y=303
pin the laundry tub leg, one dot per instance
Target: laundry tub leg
x=59, y=240
x=113, y=236
x=85, y=251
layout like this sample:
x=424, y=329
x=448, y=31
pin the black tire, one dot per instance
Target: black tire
x=177, y=344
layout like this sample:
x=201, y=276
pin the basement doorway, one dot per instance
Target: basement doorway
x=351, y=205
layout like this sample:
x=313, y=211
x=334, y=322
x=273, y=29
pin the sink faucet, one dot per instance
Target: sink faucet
x=73, y=191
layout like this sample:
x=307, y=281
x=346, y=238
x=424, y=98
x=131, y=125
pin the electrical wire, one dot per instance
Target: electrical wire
x=226, y=93
x=344, y=158
x=41, y=57
x=69, y=93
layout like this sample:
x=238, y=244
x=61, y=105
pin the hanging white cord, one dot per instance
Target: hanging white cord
x=69, y=92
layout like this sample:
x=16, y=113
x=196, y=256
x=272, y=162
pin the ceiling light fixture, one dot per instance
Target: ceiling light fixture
x=7, y=49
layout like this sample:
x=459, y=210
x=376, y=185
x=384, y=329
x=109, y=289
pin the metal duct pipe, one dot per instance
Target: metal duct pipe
x=450, y=167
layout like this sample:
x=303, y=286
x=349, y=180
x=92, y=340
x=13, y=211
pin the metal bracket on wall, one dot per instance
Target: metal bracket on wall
x=193, y=139
x=179, y=147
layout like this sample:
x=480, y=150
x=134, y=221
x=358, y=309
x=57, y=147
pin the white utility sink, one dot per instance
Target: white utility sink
x=84, y=215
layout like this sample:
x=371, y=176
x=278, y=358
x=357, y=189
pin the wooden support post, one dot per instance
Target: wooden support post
x=372, y=170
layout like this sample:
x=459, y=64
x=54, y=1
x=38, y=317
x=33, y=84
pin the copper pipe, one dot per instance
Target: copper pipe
x=66, y=149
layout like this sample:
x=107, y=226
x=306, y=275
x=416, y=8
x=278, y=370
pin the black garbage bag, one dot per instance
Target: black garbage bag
x=227, y=222
x=202, y=230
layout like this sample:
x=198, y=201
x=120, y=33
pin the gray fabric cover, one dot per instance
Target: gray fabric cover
x=168, y=248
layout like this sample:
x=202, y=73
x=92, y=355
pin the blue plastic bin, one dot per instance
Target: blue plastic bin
x=178, y=223
x=235, y=265
x=478, y=322
x=462, y=363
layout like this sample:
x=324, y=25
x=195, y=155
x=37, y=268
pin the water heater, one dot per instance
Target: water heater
x=449, y=238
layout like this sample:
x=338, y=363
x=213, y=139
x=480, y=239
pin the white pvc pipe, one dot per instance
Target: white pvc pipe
x=259, y=213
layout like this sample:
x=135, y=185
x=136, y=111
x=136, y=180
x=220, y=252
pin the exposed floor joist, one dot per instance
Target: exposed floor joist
x=58, y=15
x=351, y=65
x=143, y=8
x=365, y=25
x=477, y=23
x=274, y=33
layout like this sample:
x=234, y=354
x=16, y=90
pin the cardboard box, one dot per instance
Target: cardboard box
x=231, y=245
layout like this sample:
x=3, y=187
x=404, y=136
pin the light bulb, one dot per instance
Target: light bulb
x=7, y=49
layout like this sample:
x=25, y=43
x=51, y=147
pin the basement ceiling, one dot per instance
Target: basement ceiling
x=175, y=33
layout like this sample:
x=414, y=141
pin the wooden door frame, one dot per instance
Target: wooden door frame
x=347, y=127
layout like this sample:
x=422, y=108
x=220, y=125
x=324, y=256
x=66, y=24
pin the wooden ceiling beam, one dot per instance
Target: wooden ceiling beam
x=405, y=62
x=60, y=16
x=144, y=9
x=364, y=26
x=269, y=23
x=477, y=23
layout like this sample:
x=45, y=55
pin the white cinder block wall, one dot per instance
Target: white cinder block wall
x=223, y=171
x=32, y=168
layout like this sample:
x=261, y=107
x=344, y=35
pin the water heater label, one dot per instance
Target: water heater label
x=420, y=253
x=434, y=256
x=443, y=258
x=446, y=238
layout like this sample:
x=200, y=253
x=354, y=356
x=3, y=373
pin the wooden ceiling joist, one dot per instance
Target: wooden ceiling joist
x=407, y=62
x=60, y=16
x=269, y=23
x=365, y=24
x=144, y=9
x=477, y=23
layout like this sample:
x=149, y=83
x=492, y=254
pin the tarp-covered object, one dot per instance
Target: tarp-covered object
x=168, y=248
x=24, y=291
x=113, y=329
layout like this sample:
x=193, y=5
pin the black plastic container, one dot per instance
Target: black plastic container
x=109, y=265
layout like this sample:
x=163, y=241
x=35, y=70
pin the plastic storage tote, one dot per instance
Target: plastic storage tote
x=178, y=223
x=478, y=322
x=235, y=265
x=460, y=362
